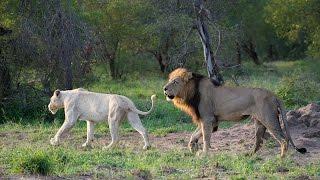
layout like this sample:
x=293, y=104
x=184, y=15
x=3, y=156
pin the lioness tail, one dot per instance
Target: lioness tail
x=153, y=97
x=286, y=127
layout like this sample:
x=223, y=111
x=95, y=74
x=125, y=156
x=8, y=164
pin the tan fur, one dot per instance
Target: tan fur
x=182, y=73
x=225, y=103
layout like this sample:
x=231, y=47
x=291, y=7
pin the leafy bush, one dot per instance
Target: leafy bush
x=298, y=90
x=25, y=104
x=37, y=163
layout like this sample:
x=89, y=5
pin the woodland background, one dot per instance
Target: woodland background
x=128, y=47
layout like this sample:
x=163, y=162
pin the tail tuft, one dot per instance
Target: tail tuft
x=153, y=97
x=301, y=150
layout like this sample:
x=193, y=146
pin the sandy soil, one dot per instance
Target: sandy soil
x=238, y=139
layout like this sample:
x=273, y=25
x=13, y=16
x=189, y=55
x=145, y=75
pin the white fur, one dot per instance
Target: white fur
x=94, y=108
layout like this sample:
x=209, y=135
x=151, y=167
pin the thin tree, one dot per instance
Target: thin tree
x=202, y=28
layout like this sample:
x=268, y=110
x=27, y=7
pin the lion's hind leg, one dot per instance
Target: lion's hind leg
x=271, y=122
x=135, y=122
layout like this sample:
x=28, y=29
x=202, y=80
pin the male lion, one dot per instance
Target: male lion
x=208, y=104
x=94, y=108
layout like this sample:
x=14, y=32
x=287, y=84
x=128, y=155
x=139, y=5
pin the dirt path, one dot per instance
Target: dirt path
x=238, y=139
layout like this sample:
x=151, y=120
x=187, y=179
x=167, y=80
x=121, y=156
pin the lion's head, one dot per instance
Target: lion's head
x=56, y=102
x=177, y=81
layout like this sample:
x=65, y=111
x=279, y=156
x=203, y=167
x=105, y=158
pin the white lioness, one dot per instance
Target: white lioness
x=96, y=107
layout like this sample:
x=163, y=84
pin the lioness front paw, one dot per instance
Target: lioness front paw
x=86, y=144
x=54, y=141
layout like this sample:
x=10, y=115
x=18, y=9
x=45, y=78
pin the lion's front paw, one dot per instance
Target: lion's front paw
x=193, y=147
x=54, y=141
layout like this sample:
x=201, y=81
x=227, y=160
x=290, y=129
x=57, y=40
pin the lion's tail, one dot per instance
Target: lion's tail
x=153, y=97
x=283, y=117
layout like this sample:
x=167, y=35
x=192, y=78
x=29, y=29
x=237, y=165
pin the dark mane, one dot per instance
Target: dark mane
x=200, y=76
x=215, y=82
x=189, y=97
x=194, y=100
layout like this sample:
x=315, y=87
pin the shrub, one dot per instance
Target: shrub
x=37, y=163
x=298, y=90
x=24, y=104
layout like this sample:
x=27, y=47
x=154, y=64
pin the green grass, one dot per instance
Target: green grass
x=39, y=157
x=34, y=155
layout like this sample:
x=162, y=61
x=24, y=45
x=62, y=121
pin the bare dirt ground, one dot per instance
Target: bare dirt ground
x=304, y=125
x=238, y=140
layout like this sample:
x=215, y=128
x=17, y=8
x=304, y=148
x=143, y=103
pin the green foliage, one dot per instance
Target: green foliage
x=24, y=106
x=300, y=86
x=298, y=21
x=33, y=163
x=298, y=90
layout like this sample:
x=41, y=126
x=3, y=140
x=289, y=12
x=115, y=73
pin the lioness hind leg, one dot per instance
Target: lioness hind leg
x=260, y=130
x=135, y=122
x=114, y=120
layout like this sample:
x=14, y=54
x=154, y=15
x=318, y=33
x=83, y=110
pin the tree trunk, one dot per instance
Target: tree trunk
x=249, y=48
x=254, y=57
x=272, y=54
x=212, y=68
x=68, y=75
x=238, y=53
x=159, y=58
x=112, y=66
x=5, y=79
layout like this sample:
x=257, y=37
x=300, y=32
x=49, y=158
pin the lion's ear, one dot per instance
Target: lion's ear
x=57, y=92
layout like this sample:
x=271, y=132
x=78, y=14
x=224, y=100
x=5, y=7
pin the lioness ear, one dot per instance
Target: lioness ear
x=57, y=92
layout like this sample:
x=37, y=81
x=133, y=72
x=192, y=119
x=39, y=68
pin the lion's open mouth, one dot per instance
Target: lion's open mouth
x=170, y=97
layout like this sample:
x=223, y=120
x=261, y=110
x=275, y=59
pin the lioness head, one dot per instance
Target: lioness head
x=55, y=102
x=177, y=80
